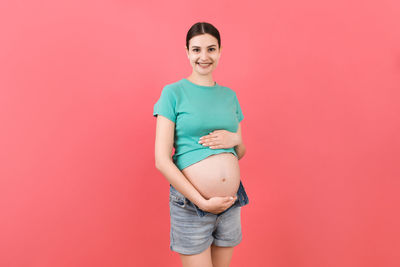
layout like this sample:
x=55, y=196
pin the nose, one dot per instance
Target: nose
x=204, y=55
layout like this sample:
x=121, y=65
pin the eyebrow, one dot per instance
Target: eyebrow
x=199, y=46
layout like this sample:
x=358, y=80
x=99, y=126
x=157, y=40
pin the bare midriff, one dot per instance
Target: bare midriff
x=216, y=175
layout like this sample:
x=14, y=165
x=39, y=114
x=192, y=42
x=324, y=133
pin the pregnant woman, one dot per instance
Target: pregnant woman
x=201, y=120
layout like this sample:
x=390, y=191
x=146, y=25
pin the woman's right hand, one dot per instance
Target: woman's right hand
x=217, y=205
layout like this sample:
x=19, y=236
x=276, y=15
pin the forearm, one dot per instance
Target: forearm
x=240, y=150
x=176, y=178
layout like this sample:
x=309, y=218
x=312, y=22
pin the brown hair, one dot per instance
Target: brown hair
x=202, y=28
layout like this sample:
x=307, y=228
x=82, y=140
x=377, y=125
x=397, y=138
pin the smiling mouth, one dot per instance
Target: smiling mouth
x=204, y=64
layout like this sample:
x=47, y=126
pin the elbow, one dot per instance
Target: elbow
x=160, y=163
x=240, y=151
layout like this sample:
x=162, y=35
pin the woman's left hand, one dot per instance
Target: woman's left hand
x=220, y=139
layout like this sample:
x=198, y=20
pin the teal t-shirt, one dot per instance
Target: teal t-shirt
x=196, y=111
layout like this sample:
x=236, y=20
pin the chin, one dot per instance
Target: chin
x=204, y=73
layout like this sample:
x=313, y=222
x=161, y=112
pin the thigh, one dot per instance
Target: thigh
x=202, y=259
x=221, y=256
x=189, y=233
x=228, y=232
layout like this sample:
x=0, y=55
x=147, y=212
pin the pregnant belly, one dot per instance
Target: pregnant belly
x=216, y=175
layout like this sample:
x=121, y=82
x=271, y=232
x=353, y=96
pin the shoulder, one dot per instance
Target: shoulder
x=173, y=88
x=228, y=90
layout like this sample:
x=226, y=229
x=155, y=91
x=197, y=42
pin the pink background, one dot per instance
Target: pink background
x=318, y=83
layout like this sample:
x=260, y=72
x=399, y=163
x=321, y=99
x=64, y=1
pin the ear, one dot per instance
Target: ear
x=187, y=51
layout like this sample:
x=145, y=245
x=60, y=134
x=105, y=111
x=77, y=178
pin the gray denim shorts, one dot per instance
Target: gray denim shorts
x=191, y=234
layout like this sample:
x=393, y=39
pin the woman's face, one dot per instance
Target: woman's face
x=203, y=53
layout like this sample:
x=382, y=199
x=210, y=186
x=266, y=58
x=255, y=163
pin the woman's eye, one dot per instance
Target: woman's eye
x=196, y=49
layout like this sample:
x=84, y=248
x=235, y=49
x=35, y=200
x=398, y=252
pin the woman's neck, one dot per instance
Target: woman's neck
x=201, y=80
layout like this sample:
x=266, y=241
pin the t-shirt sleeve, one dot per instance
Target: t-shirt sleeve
x=239, y=113
x=165, y=105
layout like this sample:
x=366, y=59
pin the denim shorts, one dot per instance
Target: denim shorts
x=194, y=230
